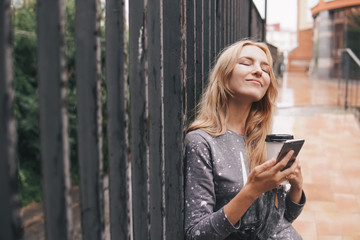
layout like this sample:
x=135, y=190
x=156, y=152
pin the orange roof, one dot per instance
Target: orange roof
x=333, y=4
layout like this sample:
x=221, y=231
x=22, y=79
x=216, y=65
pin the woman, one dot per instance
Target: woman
x=231, y=191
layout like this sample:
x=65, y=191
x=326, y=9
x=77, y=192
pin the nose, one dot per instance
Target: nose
x=257, y=71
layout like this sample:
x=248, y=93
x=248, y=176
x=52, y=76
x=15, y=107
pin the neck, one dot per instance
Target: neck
x=237, y=115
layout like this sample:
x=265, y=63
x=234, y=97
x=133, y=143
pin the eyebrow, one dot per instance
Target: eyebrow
x=252, y=59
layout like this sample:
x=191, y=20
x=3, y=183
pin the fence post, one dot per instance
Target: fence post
x=206, y=41
x=10, y=228
x=250, y=2
x=156, y=124
x=199, y=56
x=346, y=76
x=139, y=119
x=232, y=22
x=88, y=82
x=218, y=27
x=190, y=60
x=213, y=35
x=174, y=112
x=224, y=23
x=116, y=82
x=53, y=119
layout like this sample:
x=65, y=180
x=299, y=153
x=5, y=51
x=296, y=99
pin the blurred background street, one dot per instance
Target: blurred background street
x=330, y=158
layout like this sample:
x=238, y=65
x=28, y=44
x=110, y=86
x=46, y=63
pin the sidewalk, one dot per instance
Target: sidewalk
x=330, y=158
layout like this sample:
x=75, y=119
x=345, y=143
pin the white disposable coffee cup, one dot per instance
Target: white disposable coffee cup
x=274, y=142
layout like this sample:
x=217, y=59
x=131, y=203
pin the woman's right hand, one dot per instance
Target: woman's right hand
x=268, y=175
x=261, y=179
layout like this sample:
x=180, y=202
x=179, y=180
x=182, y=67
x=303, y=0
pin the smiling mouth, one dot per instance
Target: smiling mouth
x=254, y=80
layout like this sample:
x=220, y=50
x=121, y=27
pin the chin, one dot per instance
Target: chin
x=249, y=96
x=255, y=97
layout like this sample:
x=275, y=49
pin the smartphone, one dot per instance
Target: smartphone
x=293, y=144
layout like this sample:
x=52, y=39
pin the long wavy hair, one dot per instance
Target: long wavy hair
x=212, y=109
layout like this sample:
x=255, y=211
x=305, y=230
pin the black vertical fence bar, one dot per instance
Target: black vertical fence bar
x=219, y=25
x=346, y=76
x=264, y=23
x=155, y=119
x=249, y=17
x=199, y=56
x=223, y=23
x=139, y=120
x=88, y=75
x=117, y=130
x=228, y=22
x=9, y=204
x=244, y=19
x=206, y=40
x=236, y=21
x=53, y=119
x=173, y=16
x=228, y=25
x=232, y=30
x=233, y=9
x=239, y=18
x=190, y=60
x=213, y=33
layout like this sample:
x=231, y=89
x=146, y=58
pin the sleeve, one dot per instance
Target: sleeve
x=201, y=222
x=293, y=210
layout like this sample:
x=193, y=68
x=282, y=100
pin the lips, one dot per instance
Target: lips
x=255, y=80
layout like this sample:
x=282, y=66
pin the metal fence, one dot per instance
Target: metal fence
x=348, y=80
x=173, y=44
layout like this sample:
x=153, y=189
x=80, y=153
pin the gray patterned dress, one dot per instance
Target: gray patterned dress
x=216, y=169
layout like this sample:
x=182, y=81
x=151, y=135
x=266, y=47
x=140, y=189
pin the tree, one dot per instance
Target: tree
x=26, y=104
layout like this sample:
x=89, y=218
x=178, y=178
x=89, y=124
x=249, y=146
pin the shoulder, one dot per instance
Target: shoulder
x=198, y=136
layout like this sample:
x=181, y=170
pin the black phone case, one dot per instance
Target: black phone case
x=296, y=145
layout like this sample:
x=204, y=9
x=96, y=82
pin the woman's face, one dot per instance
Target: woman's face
x=250, y=77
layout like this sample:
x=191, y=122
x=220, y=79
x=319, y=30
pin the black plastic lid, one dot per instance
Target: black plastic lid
x=278, y=137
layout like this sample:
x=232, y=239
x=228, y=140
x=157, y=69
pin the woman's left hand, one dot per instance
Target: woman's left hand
x=296, y=181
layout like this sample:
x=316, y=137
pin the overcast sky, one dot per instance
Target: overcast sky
x=279, y=11
x=283, y=11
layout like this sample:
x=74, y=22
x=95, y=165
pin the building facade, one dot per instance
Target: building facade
x=300, y=57
x=336, y=27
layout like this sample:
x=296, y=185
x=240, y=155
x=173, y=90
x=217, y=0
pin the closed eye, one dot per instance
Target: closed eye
x=246, y=63
x=266, y=70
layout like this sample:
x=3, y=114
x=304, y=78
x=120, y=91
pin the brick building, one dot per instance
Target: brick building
x=329, y=26
x=336, y=26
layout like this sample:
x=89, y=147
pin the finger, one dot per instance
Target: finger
x=282, y=163
x=295, y=164
x=291, y=169
x=266, y=165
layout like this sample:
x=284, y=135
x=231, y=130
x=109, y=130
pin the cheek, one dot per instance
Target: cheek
x=267, y=81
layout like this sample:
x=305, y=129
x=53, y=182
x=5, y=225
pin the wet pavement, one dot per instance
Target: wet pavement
x=330, y=158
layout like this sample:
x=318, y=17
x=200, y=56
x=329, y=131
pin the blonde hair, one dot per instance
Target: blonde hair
x=212, y=108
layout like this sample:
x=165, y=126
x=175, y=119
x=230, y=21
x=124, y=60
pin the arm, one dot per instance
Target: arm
x=201, y=221
x=295, y=199
x=263, y=178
